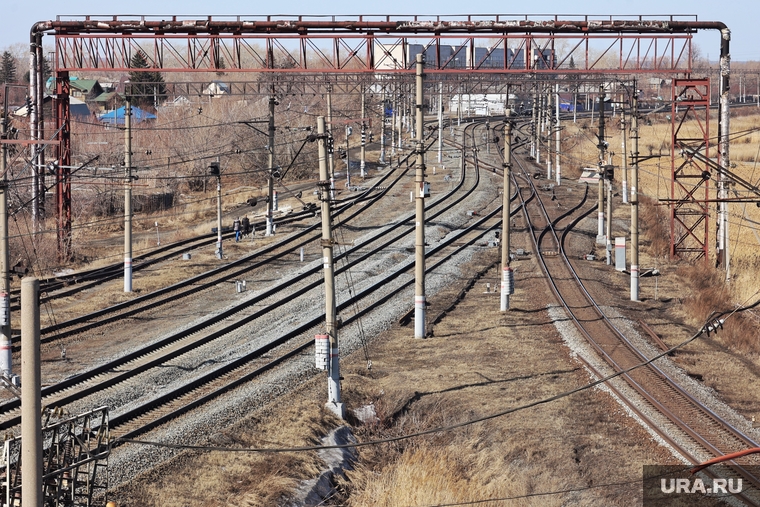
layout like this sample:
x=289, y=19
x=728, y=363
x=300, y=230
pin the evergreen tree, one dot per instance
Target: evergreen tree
x=146, y=87
x=7, y=68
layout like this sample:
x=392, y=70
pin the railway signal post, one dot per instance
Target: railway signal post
x=270, y=202
x=421, y=190
x=333, y=364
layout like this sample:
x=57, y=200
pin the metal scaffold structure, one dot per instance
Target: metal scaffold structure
x=75, y=461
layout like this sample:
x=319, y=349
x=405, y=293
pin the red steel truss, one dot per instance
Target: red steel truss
x=454, y=46
x=495, y=44
x=690, y=175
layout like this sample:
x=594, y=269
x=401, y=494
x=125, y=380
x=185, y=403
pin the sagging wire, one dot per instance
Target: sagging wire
x=351, y=292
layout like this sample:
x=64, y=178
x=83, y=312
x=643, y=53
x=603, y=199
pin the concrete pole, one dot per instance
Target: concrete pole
x=382, y=129
x=330, y=155
x=393, y=119
x=348, y=160
x=602, y=161
x=33, y=124
x=270, y=202
x=40, y=169
x=624, y=163
x=557, y=137
x=723, y=145
x=31, y=404
x=128, y=195
x=362, y=151
x=635, y=196
x=419, y=266
x=6, y=360
x=534, y=127
x=547, y=128
x=507, y=277
x=440, y=122
x=333, y=380
x=219, y=250
x=608, y=230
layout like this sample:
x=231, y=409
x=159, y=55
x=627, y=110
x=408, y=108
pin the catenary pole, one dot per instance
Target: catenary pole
x=624, y=162
x=270, y=202
x=334, y=403
x=440, y=122
x=420, y=190
x=6, y=359
x=31, y=403
x=507, y=278
x=128, y=195
x=557, y=136
x=635, y=195
x=602, y=162
x=362, y=149
x=723, y=149
x=330, y=157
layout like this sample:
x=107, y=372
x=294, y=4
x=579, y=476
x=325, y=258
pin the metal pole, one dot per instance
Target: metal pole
x=128, y=195
x=602, y=161
x=507, y=279
x=270, y=202
x=635, y=196
x=31, y=404
x=419, y=266
x=333, y=380
x=6, y=359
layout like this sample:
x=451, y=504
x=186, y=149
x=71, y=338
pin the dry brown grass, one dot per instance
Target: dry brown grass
x=654, y=185
x=448, y=468
x=217, y=479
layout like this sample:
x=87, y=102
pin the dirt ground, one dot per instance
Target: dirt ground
x=582, y=449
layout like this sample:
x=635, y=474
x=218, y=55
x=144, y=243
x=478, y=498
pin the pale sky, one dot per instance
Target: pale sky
x=17, y=17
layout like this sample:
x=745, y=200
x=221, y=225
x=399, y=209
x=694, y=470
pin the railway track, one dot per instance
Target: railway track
x=120, y=374
x=698, y=426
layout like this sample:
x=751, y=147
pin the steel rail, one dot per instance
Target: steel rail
x=121, y=362
x=662, y=376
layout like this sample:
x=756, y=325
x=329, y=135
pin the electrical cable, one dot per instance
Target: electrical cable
x=716, y=320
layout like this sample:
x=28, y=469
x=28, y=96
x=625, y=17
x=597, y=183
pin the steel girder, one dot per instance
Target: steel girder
x=690, y=176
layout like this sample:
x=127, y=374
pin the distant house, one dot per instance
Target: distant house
x=107, y=101
x=116, y=117
x=217, y=89
x=85, y=89
x=78, y=108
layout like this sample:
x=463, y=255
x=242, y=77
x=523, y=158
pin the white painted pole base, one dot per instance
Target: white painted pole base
x=274, y=201
x=270, y=227
x=634, y=282
x=507, y=287
x=333, y=386
x=600, y=239
x=557, y=173
x=419, y=316
x=625, y=192
x=127, y=274
x=6, y=355
x=361, y=169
